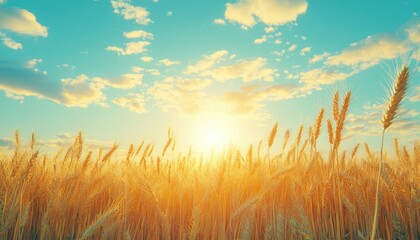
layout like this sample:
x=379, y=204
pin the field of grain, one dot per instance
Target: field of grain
x=295, y=193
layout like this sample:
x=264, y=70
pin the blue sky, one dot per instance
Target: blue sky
x=128, y=70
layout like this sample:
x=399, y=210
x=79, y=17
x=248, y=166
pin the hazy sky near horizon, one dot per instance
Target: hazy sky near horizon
x=128, y=70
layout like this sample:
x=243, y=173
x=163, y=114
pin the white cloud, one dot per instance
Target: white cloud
x=137, y=69
x=317, y=58
x=322, y=76
x=153, y=72
x=192, y=84
x=146, y=59
x=368, y=122
x=370, y=52
x=261, y=40
x=21, y=21
x=125, y=81
x=183, y=95
x=133, y=102
x=33, y=62
x=168, y=62
x=130, y=48
x=81, y=92
x=138, y=34
x=292, y=48
x=270, y=12
x=169, y=13
x=219, y=21
x=3, y=1
x=251, y=98
x=416, y=97
x=246, y=70
x=139, y=14
x=269, y=29
x=20, y=80
x=67, y=66
x=206, y=63
x=304, y=51
x=414, y=33
x=10, y=43
x=277, y=41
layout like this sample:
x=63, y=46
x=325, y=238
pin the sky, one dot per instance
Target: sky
x=211, y=70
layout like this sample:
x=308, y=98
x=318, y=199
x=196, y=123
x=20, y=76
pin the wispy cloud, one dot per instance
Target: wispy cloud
x=10, y=43
x=215, y=66
x=182, y=95
x=246, y=70
x=261, y=40
x=219, y=21
x=416, y=96
x=130, y=48
x=368, y=122
x=133, y=102
x=21, y=21
x=146, y=59
x=413, y=32
x=292, y=48
x=23, y=80
x=252, y=98
x=138, y=14
x=206, y=63
x=304, y=51
x=319, y=57
x=138, y=34
x=370, y=51
x=323, y=76
x=270, y=12
x=168, y=62
x=67, y=66
x=125, y=81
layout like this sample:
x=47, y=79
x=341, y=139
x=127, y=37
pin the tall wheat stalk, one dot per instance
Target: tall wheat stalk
x=398, y=92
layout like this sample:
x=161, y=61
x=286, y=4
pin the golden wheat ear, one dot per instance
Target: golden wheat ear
x=398, y=92
x=397, y=95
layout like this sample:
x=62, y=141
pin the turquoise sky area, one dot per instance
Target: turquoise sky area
x=212, y=70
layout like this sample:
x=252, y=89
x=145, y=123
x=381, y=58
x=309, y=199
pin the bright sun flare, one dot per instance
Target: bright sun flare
x=213, y=134
x=215, y=137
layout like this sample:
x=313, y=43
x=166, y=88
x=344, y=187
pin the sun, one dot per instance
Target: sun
x=215, y=136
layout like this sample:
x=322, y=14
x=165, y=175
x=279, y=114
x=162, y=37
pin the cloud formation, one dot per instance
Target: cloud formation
x=368, y=122
x=168, y=62
x=252, y=98
x=215, y=66
x=146, y=59
x=416, y=96
x=19, y=80
x=206, y=63
x=269, y=12
x=21, y=21
x=125, y=81
x=130, y=48
x=24, y=80
x=219, y=21
x=138, y=34
x=138, y=14
x=133, y=102
x=10, y=43
x=183, y=95
x=370, y=51
x=322, y=76
x=246, y=70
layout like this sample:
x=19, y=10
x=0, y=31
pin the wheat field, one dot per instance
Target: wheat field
x=295, y=193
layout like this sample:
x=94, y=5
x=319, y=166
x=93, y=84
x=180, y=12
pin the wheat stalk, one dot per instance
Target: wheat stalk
x=398, y=93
